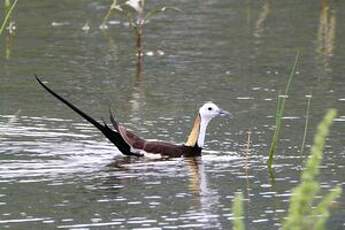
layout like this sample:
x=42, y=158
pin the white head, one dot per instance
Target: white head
x=206, y=112
x=210, y=110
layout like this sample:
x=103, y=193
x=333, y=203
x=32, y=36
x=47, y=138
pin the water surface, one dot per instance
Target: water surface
x=57, y=171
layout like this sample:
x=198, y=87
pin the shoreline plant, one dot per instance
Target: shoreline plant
x=304, y=212
x=281, y=101
x=301, y=214
x=306, y=123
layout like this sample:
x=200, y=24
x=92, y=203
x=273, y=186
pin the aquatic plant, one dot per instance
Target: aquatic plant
x=134, y=11
x=237, y=209
x=281, y=101
x=8, y=11
x=301, y=214
x=307, y=111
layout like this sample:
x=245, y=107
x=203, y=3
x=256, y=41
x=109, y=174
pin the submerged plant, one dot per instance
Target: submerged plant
x=134, y=11
x=8, y=11
x=301, y=214
x=279, y=114
x=237, y=209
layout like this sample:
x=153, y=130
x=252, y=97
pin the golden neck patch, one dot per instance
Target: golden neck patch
x=194, y=134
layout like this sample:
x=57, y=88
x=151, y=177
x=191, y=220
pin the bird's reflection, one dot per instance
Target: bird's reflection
x=205, y=198
x=197, y=177
x=121, y=162
x=326, y=34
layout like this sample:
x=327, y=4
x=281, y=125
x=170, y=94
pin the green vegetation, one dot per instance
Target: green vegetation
x=303, y=212
x=8, y=11
x=237, y=209
x=307, y=111
x=281, y=101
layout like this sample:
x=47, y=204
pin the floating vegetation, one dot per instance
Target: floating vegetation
x=8, y=11
x=281, y=101
x=237, y=209
x=301, y=213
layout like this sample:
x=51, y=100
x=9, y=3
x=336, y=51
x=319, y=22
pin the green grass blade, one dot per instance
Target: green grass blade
x=292, y=73
x=279, y=114
x=307, y=112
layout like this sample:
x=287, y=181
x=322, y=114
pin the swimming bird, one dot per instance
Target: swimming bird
x=132, y=145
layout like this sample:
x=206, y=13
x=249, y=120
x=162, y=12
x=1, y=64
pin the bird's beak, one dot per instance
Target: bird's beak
x=224, y=113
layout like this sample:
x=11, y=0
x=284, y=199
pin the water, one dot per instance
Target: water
x=56, y=171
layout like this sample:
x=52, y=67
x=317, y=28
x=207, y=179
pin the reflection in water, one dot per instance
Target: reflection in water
x=326, y=34
x=112, y=46
x=208, y=200
x=61, y=160
x=48, y=149
x=9, y=40
x=259, y=25
x=11, y=27
x=137, y=99
x=247, y=152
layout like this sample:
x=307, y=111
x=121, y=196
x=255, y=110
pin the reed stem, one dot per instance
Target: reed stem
x=281, y=101
x=306, y=123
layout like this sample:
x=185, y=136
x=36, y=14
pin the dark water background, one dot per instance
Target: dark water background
x=57, y=171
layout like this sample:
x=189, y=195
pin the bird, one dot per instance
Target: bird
x=130, y=144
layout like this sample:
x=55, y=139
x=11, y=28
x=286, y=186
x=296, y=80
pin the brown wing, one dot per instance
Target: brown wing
x=155, y=147
x=130, y=138
x=163, y=148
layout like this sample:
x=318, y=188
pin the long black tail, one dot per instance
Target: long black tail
x=110, y=134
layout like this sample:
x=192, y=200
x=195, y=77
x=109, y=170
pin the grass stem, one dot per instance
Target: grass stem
x=281, y=101
x=307, y=112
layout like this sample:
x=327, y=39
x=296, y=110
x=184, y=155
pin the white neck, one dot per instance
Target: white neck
x=202, y=132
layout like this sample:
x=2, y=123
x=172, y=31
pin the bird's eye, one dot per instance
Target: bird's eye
x=210, y=108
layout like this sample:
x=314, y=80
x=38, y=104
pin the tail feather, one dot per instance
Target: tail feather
x=110, y=134
x=112, y=120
